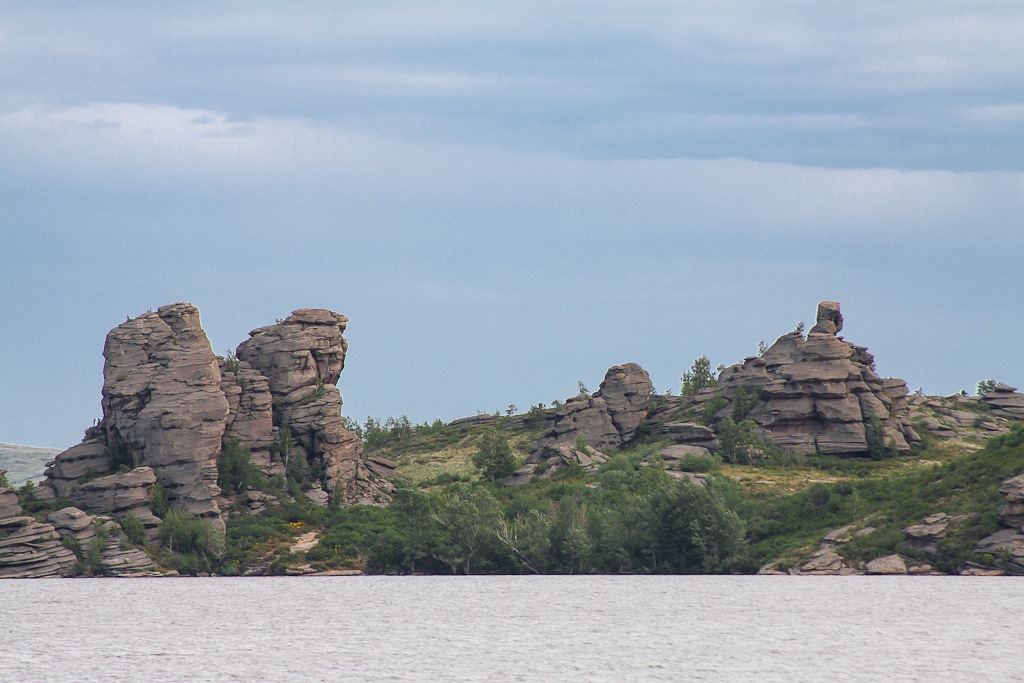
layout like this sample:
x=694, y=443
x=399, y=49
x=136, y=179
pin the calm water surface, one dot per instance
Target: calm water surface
x=513, y=629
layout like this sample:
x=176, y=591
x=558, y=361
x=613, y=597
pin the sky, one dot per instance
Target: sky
x=508, y=198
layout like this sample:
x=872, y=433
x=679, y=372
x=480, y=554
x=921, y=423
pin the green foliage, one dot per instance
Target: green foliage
x=711, y=408
x=3, y=479
x=94, y=551
x=353, y=426
x=693, y=462
x=158, y=501
x=741, y=444
x=235, y=471
x=698, y=378
x=133, y=529
x=494, y=457
x=231, y=362
x=193, y=544
x=581, y=444
x=743, y=403
x=986, y=386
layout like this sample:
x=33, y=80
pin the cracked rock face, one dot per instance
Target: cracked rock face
x=162, y=400
x=29, y=549
x=820, y=393
x=606, y=420
x=302, y=358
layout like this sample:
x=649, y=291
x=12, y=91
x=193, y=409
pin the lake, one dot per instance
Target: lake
x=513, y=628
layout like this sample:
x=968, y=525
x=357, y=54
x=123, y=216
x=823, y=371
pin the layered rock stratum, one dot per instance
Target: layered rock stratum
x=605, y=420
x=170, y=407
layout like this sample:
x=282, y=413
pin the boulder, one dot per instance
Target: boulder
x=926, y=536
x=890, y=564
x=1011, y=512
x=606, y=420
x=820, y=393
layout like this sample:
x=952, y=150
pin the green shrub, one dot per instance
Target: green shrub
x=693, y=462
x=235, y=471
x=158, y=502
x=494, y=457
x=133, y=529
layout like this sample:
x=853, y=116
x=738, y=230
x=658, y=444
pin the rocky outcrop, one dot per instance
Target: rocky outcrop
x=690, y=434
x=1006, y=546
x=29, y=549
x=1004, y=401
x=820, y=393
x=925, y=536
x=606, y=420
x=85, y=460
x=302, y=358
x=121, y=495
x=559, y=457
x=171, y=406
x=162, y=403
x=250, y=417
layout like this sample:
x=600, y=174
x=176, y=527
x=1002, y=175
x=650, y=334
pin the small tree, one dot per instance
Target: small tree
x=494, y=457
x=698, y=378
x=986, y=386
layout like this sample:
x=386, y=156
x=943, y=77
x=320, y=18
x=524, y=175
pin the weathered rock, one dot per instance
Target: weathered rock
x=1004, y=401
x=317, y=494
x=559, y=457
x=86, y=459
x=606, y=420
x=29, y=549
x=125, y=562
x=302, y=358
x=162, y=402
x=691, y=434
x=890, y=564
x=250, y=417
x=820, y=393
x=823, y=561
x=1011, y=512
x=71, y=522
x=1007, y=547
x=117, y=493
x=925, y=536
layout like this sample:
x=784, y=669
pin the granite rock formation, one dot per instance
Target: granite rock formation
x=1004, y=401
x=606, y=420
x=163, y=404
x=29, y=549
x=250, y=413
x=820, y=393
x=1007, y=545
x=302, y=358
x=170, y=407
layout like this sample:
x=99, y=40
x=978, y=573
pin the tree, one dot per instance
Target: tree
x=470, y=516
x=698, y=378
x=494, y=457
x=986, y=386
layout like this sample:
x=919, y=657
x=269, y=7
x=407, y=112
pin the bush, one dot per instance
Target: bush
x=158, y=502
x=133, y=529
x=235, y=471
x=692, y=462
x=494, y=457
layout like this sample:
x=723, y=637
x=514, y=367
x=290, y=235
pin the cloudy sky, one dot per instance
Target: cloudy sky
x=506, y=198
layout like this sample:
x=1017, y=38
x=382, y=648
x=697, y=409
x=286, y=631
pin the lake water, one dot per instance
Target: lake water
x=669, y=628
